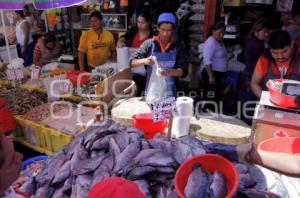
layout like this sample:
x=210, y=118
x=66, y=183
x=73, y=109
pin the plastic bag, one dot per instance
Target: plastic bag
x=157, y=86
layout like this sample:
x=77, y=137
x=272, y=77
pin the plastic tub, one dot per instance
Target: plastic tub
x=281, y=144
x=145, y=123
x=211, y=163
x=32, y=160
x=73, y=76
x=280, y=99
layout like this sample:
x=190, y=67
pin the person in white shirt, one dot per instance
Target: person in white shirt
x=24, y=38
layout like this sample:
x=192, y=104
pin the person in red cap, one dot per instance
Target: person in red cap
x=7, y=121
x=115, y=187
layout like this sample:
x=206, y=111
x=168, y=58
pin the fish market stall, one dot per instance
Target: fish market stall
x=110, y=149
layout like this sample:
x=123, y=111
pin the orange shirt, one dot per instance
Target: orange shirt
x=262, y=65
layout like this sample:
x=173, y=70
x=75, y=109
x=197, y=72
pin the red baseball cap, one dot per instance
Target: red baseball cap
x=115, y=187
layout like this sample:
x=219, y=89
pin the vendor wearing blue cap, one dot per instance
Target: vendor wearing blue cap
x=168, y=51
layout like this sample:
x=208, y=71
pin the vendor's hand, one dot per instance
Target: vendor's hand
x=148, y=61
x=121, y=43
x=166, y=72
x=212, y=80
x=243, y=152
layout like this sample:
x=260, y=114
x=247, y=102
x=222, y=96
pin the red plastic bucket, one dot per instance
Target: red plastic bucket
x=281, y=144
x=280, y=99
x=74, y=75
x=211, y=163
x=145, y=123
x=7, y=121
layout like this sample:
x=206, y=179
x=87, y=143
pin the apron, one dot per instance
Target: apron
x=165, y=60
x=293, y=76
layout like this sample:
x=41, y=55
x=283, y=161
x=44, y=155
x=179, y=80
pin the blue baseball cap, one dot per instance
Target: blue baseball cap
x=166, y=18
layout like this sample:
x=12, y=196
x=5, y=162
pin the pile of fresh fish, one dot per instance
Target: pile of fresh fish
x=110, y=149
x=20, y=101
x=202, y=184
x=97, y=76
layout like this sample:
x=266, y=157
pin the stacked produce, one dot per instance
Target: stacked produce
x=116, y=150
x=39, y=113
x=19, y=101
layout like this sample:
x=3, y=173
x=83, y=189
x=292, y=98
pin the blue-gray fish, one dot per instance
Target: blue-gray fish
x=124, y=158
x=114, y=147
x=79, y=166
x=122, y=140
x=101, y=143
x=85, y=180
x=181, y=152
x=218, y=186
x=144, y=187
x=242, y=168
x=145, y=145
x=29, y=187
x=139, y=172
x=246, y=181
x=165, y=169
x=58, y=193
x=63, y=173
x=259, y=177
x=159, y=143
x=68, y=184
x=104, y=170
x=157, y=159
x=197, y=184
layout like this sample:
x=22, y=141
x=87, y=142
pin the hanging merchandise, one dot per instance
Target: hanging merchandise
x=124, y=6
x=58, y=22
x=285, y=6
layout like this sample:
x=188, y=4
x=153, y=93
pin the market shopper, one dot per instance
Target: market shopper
x=24, y=38
x=254, y=48
x=10, y=167
x=215, y=62
x=168, y=51
x=280, y=60
x=97, y=44
x=47, y=49
x=134, y=38
x=115, y=187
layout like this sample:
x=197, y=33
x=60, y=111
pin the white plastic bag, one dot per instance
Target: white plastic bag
x=157, y=86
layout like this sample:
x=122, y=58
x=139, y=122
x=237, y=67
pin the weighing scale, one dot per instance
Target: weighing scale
x=271, y=120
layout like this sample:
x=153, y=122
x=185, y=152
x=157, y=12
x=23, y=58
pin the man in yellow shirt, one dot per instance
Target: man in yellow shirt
x=98, y=44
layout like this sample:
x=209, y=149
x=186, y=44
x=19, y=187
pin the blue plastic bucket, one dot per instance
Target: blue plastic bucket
x=32, y=160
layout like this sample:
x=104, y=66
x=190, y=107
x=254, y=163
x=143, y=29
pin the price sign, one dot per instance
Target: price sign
x=161, y=109
x=35, y=74
x=10, y=74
